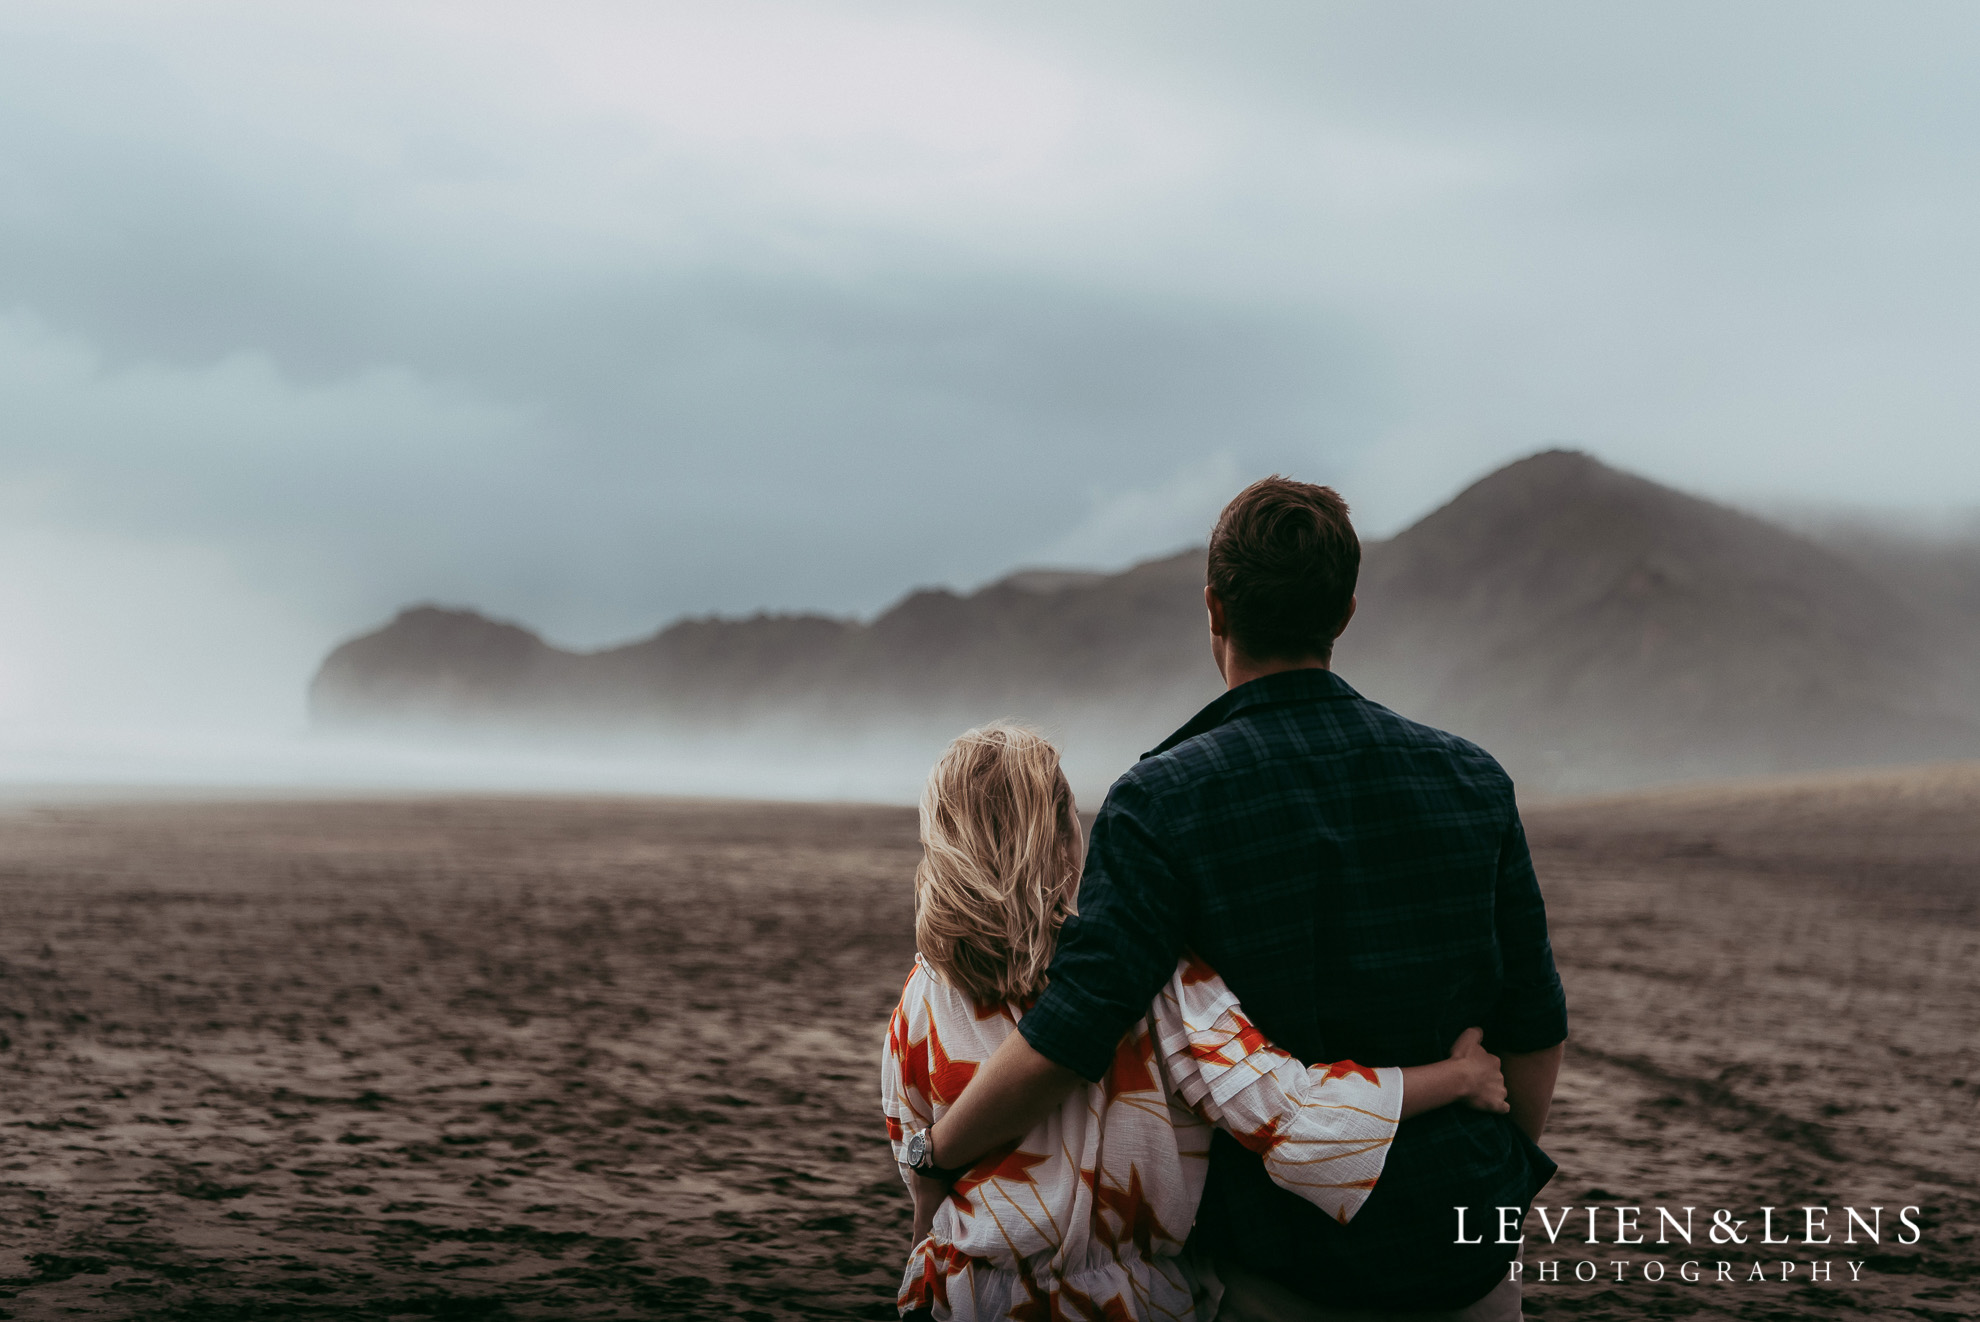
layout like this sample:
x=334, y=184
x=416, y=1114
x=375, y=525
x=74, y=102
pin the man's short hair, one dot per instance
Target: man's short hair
x=1284, y=559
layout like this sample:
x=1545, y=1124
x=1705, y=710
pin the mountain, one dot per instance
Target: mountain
x=1108, y=663
x=1595, y=629
x=1592, y=628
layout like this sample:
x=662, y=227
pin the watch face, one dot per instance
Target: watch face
x=917, y=1148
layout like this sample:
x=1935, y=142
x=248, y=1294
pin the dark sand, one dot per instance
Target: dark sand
x=560, y=1058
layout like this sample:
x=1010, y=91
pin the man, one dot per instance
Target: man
x=1362, y=883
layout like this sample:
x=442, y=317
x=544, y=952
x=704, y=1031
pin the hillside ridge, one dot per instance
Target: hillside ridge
x=1592, y=628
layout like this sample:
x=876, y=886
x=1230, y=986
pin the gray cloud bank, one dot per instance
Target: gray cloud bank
x=595, y=315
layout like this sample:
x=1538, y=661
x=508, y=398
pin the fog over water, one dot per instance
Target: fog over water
x=599, y=315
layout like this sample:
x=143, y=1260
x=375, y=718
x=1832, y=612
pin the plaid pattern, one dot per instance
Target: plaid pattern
x=1362, y=883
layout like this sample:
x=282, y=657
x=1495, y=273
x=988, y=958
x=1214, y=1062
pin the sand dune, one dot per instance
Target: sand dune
x=562, y=1058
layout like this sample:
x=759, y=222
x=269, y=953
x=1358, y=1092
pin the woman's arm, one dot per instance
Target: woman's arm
x=1324, y=1131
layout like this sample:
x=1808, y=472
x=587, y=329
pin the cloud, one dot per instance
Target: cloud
x=1138, y=523
x=596, y=314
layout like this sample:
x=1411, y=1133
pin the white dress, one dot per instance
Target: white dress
x=1086, y=1215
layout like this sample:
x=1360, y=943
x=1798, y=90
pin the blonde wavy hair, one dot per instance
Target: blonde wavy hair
x=1000, y=859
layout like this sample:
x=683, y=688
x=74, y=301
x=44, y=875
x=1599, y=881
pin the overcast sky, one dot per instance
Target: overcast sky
x=591, y=315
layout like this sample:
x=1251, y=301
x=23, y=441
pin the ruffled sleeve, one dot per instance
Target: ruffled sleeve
x=1323, y=1131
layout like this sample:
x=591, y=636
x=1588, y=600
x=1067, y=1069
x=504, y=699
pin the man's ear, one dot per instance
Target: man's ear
x=1215, y=605
x=1352, y=603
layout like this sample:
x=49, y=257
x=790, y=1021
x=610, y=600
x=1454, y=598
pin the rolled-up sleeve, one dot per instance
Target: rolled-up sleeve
x=1122, y=945
x=1531, y=1012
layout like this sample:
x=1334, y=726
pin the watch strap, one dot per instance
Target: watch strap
x=927, y=1166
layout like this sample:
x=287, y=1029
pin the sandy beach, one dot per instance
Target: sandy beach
x=484, y=1058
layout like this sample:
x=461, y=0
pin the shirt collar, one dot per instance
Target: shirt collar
x=1306, y=685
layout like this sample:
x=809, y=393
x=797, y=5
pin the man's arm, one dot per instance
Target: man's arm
x=1011, y=1093
x=1528, y=1026
x=1018, y=1087
x=1118, y=950
x=1530, y=1079
x=1112, y=957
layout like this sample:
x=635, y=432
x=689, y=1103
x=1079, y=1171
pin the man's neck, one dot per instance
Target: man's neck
x=1240, y=669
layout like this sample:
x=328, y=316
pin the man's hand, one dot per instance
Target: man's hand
x=1482, y=1081
x=928, y=1195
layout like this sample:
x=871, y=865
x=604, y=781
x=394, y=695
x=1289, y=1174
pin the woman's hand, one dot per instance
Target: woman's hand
x=1470, y=1074
x=1483, y=1083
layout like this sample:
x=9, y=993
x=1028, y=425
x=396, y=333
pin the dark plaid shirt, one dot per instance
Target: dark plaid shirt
x=1362, y=883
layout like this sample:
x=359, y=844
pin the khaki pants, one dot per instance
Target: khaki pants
x=1249, y=1298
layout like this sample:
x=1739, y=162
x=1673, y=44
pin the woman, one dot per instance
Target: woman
x=1087, y=1214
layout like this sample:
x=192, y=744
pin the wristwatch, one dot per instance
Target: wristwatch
x=921, y=1159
